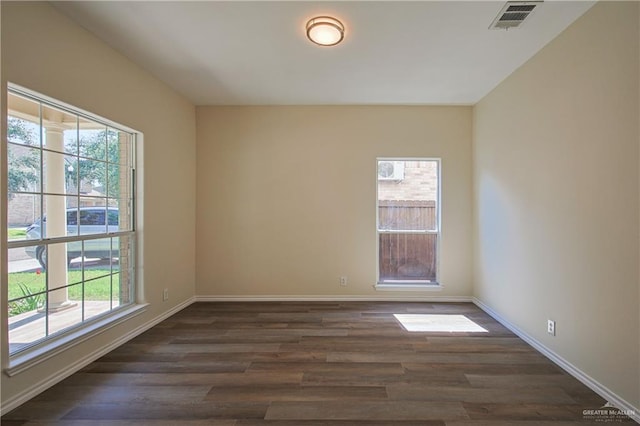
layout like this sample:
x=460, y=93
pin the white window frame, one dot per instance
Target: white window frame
x=58, y=342
x=416, y=285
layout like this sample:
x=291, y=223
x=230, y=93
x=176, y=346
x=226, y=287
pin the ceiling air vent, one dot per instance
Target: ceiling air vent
x=513, y=14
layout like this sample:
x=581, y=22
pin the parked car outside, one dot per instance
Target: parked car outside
x=93, y=220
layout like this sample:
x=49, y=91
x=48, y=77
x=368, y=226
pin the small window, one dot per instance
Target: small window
x=408, y=220
x=91, y=217
x=72, y=218
x=113, y=218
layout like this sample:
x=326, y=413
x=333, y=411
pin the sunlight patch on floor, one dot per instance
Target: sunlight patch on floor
x=433, y=322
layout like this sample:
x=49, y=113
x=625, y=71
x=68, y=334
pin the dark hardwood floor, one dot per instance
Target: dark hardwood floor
x=311, y=364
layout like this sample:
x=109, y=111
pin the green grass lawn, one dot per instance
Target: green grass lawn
x=15, y=234
x=96, y=289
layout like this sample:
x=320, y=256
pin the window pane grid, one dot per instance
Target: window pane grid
x=63, y=152
x=14, y=91
x=19, y=299
x=66, y=269
x=43, y=241
x=408, y=220
x=90, y=279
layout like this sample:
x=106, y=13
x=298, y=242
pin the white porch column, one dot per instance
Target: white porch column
x=56, y=210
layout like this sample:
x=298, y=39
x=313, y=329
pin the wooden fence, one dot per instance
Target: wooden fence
x=405, y=255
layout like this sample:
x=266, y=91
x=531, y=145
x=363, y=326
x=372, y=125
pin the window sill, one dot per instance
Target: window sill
x=408, y=286
x=22, y=361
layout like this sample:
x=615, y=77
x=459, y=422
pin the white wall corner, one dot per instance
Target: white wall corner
x=567, y=366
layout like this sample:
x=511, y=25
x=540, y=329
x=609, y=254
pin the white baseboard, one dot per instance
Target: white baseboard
x=325, y=298
x=58, y=376
x=574, y=371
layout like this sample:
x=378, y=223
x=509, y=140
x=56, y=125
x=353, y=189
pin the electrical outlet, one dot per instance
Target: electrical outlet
x=551, y=327
x=343, y=281
x=165, y=294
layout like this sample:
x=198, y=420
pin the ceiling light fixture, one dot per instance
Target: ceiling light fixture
x=325, y=30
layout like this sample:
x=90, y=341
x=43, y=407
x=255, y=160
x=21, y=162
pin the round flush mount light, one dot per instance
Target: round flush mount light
x=325, y=31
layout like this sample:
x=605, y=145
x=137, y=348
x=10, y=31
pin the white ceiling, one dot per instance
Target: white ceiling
x=239, y=52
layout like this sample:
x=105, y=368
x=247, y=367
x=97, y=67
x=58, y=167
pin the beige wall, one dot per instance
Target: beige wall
x=286, y=196
x=44, y=51
x=556, y=197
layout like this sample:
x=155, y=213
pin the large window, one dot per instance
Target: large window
x=70, y=214
x=408, y=220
